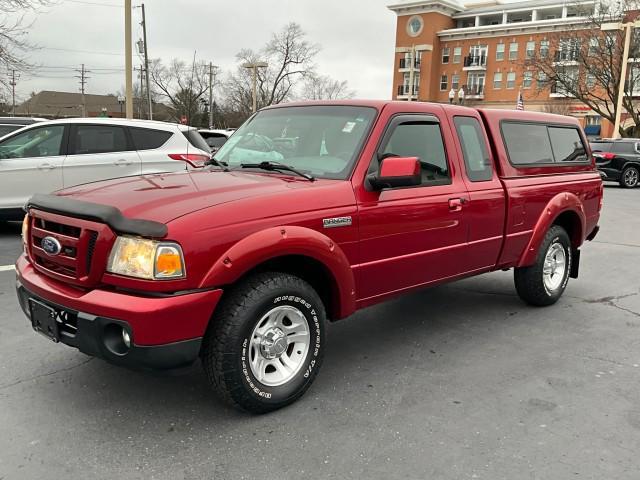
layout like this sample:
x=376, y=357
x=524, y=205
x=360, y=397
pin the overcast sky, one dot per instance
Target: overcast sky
x=356, y=36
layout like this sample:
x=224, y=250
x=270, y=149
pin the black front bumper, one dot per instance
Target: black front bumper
x=94, y=336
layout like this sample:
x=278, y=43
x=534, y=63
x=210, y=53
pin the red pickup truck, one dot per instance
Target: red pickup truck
x=309, y=212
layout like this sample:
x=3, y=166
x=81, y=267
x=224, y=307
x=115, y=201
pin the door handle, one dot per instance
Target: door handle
x=46, y=166
x=455, y=204
x=122, y=162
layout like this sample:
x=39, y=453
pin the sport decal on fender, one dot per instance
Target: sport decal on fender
x=336, y=222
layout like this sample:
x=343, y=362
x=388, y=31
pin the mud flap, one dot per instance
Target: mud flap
x=575, y=263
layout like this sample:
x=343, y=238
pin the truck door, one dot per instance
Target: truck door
x=485, y=211
x=412, y=236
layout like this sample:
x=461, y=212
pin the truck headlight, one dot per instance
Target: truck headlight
x=148, y=259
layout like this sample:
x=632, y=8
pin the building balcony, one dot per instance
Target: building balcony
x=558, y=91
x=565, y=57
x=475, y=62
x=405, y=64
x=404, y=90
x=474, y=92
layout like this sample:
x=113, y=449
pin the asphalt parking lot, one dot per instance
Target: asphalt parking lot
x=458, y=382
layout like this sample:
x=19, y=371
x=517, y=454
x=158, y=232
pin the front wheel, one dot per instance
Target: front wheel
x=544, y=282
x=630, y=177
x=266, y=343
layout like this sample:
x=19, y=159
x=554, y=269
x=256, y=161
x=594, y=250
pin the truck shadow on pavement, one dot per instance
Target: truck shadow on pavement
x=369, y=348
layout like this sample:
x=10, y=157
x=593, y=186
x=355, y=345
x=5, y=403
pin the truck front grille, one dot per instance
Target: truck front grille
x=79, y=241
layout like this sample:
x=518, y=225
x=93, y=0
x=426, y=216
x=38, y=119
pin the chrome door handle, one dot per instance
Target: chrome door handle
x=46, y=166
x=455, y=204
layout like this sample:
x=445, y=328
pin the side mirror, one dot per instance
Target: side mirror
x=396, y=172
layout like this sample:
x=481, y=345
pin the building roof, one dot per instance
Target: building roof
x=66, y=104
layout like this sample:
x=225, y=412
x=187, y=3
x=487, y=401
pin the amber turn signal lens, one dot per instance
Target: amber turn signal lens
x=169, y=262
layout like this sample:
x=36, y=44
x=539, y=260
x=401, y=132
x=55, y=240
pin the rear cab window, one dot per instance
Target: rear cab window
x=477, y=161
x=538, y=144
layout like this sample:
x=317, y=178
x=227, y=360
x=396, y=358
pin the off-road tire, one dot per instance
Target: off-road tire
x=630, y=177
x=529, y=281
x=224, y=352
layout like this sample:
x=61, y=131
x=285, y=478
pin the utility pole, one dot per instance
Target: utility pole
x=13, y=84
x=140, y=70
x=254, y=73
x=83, y=81
x=146, y=61
x=128, y=60
x=212, y=77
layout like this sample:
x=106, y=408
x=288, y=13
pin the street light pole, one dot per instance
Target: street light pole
x=128, y=61
x=254, y=73
x=627, y=27
x=146, y=61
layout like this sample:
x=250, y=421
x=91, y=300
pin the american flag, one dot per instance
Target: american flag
x=520, y=102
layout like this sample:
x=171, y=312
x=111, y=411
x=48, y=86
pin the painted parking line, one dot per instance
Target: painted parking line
x=7, y=268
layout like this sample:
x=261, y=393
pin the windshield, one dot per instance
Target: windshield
x=323, y=141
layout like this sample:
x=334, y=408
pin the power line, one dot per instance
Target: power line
x=95, y=4
x=94, y=52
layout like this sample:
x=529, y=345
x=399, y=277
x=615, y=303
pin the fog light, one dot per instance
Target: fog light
x=126, y=338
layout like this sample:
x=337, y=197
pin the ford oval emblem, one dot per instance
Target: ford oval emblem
x=51, y=246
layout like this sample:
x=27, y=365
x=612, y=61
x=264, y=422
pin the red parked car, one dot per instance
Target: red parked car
x=309, y=212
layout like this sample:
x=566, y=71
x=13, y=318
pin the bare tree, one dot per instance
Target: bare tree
x=12, y=35
x=323, y=87
x=182, y=85
x=562, y=107
x=290, y=58
x=585, y=62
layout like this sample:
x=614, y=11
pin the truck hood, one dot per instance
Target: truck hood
x=165, y=197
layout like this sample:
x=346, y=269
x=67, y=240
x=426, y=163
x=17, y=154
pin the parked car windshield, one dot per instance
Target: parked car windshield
x=321, y=140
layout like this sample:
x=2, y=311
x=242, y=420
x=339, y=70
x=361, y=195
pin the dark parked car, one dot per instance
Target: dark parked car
x=10, y=124
x=618, y=160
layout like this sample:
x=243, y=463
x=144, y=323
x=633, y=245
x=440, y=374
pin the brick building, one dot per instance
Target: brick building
x=443, y=45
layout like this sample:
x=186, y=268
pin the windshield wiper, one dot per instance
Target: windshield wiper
x=275, y=166
x=212, y=161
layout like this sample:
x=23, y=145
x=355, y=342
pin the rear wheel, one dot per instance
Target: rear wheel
x=265, y=346
x=630, y=177
x=544, y=282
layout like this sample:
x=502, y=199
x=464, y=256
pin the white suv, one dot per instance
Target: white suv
x=48, y=156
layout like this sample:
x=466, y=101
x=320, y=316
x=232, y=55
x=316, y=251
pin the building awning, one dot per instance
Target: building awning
x=592, y=130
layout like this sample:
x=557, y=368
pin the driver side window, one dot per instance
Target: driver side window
x=423, y=140
x=36, y=142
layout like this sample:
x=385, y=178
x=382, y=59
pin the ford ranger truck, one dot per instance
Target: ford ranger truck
x=309, y=212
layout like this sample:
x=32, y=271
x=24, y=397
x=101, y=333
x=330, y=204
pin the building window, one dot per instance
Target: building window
x=542, y=80
x=544, y=48
x=527, y=79
x=511, y=80
x=497, y=80
x=444, y=83
x=500, y=51
x=594, y=45
x=513, y=51
x=592, y=120
x=457, y=54
x=455, y=82
x=590, y=80
x=445, y=55
x=415, y=25
x=531, y=49
x=475, y=84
